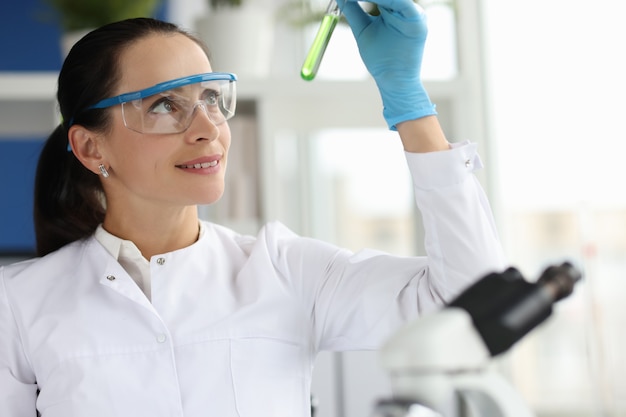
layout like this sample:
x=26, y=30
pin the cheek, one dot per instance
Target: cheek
x=134, y=154
x=224, y=140
x=121, y=139
x=225, y=136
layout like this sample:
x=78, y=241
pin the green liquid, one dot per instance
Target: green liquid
x=318, y=47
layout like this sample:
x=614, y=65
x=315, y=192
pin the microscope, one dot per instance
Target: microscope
x=439, y=365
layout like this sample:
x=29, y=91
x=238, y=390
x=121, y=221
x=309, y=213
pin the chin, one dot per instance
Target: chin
x=210, y=197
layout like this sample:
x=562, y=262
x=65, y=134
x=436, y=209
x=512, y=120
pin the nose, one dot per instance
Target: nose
x=198, y=122
x=215, y=117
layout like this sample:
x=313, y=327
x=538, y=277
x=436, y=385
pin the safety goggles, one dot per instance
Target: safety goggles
x=169, y=107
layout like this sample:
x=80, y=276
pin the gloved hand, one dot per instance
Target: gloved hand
x=391, y=47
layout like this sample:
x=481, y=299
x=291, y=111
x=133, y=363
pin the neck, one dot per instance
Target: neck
x=155, y=232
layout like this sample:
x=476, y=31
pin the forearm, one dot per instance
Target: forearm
x=461, y=238
x=423, y=135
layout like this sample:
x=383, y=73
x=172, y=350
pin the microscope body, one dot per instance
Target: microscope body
x=442, y=361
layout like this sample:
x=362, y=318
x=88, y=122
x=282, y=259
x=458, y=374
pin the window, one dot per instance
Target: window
x=556, y=87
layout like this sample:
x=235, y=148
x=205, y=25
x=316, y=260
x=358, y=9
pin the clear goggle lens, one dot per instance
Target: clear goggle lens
x=172, y=111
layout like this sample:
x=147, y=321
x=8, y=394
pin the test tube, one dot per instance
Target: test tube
x=318, y=47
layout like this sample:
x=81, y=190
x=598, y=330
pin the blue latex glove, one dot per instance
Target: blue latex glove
x=391, y=47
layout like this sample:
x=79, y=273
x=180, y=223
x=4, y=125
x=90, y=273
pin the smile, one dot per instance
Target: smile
x=199, y=166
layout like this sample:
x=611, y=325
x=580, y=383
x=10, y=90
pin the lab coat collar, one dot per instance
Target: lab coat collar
x=99, y=262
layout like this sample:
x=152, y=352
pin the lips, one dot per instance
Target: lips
x=198, y=165
x=201, y=163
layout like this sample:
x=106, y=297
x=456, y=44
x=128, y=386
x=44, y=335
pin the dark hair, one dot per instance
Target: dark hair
x=69, y=200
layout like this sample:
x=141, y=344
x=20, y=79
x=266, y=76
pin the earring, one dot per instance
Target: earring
x=103, y=171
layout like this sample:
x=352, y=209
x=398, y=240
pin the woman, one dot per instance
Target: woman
x=138, y=308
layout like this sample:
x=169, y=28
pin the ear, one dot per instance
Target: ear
x=86, y=146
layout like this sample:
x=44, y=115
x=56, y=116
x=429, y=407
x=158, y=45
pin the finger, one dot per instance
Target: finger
x=405, y=8
x=410, y=22
x=357, y=18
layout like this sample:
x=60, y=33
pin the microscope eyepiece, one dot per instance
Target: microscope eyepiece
x=504, y=306
x=559, y=280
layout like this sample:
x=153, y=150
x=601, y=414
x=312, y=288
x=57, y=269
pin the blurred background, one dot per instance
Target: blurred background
x=539, y=85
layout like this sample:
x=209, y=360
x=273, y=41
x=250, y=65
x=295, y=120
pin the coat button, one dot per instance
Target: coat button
x=468, y=163
x=111, y=277
x=161, y=338
x=161, y=261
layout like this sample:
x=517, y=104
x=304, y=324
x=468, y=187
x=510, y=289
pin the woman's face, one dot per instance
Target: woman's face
x=160, y=169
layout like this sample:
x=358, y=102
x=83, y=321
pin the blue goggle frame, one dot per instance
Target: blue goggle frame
x=160, y=87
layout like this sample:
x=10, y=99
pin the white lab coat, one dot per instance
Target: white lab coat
x=235, y=321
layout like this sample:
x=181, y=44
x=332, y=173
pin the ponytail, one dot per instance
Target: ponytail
x=68, y=202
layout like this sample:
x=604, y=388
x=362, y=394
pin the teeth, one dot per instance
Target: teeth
x=202, y=165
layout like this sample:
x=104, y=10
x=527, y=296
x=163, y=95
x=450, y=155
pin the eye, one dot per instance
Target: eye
x=163, y=105
x=211, y=97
